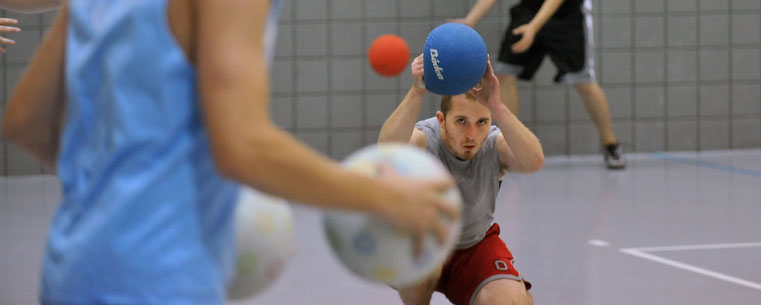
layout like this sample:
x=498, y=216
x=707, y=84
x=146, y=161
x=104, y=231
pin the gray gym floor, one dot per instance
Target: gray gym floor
x=673, y=228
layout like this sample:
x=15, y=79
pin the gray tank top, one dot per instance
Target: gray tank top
x=478, y=180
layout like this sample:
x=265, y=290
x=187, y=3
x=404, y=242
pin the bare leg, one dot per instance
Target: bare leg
x=419, y=294
x=508, y=89
x=597, y=107
x=504, y=292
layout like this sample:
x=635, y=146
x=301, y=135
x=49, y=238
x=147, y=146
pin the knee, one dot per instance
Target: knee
x=512, y=300
x=585, y=87
x=514, y=293
x=419, y=293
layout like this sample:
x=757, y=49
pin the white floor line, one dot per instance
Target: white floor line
x=700, y=247
x=599, y=243
x=639, y=253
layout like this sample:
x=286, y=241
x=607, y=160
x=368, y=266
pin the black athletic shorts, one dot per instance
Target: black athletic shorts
x=566, y=39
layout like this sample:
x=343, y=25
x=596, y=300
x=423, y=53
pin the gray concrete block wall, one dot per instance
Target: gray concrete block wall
x=679, y=74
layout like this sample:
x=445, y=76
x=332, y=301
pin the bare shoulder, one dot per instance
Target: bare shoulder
x=418, y=138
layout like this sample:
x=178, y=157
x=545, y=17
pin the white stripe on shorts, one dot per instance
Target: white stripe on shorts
x=502, y=68
x=587, y=74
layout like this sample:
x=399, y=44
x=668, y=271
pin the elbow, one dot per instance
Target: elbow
x=237, y=157
x=384, y=137
x=225, y=164
x=535, y=164
x=538, y=161
x=227, y=160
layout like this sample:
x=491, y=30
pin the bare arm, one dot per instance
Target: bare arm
x=35, y=110
x=518, y=147
x=248, y=147
x=479, y=10
x=400, y=126
x=549, y=7
x=29, y=6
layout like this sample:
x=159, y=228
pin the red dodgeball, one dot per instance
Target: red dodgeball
x=389, y=55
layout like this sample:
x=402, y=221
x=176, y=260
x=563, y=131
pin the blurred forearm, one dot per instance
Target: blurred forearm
x=35, y=109
x=479, y=10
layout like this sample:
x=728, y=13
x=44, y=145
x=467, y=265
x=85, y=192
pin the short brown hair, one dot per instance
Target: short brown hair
x=446, y=102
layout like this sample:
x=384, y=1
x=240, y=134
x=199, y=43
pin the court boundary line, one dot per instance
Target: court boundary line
x=706, y=164
x=643, y=252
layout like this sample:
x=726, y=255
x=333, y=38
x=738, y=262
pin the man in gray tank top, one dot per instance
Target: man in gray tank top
x=461, y=135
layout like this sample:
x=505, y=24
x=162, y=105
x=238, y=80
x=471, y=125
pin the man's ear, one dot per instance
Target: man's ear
x=440, y=117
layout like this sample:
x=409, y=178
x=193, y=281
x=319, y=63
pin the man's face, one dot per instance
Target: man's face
x=465, y=127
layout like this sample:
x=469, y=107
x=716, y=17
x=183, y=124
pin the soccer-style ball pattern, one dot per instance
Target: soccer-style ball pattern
x=264, y=241
x=372, y=248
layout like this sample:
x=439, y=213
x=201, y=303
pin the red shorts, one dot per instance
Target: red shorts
x=468, y=270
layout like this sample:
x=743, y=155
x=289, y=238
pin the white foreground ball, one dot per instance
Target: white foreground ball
x=371, y=247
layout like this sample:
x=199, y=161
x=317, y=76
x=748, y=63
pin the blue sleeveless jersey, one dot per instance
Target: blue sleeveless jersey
x=145, y=218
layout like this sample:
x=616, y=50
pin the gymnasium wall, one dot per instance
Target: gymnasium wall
x=679, y=74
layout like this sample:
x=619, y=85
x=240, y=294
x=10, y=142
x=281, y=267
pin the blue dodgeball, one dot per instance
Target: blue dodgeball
x=455, y=59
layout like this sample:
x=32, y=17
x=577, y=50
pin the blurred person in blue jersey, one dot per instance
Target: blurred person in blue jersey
x=152, y=112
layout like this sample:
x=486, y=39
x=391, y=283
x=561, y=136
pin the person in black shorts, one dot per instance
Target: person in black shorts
x=561, y=30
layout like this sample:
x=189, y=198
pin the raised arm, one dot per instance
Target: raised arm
x=518, y=147
x=36, y=107
x=479, y=10
x=248, y=147
x=400, y=126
